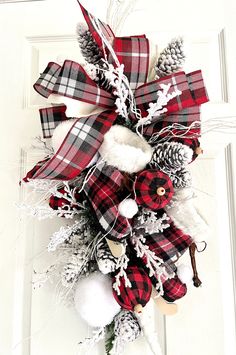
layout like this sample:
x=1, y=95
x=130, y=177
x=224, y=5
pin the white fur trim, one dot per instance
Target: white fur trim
x=186, y=217
x=125, y=150
x=94, y=300
x=128, y=208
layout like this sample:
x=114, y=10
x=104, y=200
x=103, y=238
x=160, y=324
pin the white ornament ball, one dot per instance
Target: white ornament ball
x=185, y=273
x=94, y=300
x=128, y=208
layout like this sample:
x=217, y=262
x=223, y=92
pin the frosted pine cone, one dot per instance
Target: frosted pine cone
x=127, y=326
x=105, y=260
x=76, y=267
x=88, y=46
x=171, y=58
x=182, y=178
x=171, y=156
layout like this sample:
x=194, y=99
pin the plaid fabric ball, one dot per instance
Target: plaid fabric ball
x=139, y=292
x=146, y=188
x=174, y=289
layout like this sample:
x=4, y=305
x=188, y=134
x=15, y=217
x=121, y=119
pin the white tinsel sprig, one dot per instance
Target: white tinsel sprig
x=122, y=264
x=157, y=108
x=154, y=264
x=64, y=233
x=150, y=222
x=89, y=343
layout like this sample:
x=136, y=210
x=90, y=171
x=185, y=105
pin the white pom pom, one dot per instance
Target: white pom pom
x=185, y=273
x=94, y=300
x=128, y=208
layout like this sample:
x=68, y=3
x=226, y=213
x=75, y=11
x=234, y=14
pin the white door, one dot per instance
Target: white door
x=32, y=322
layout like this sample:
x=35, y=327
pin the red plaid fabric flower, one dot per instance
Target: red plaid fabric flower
x=153, y=189
x=139, y=292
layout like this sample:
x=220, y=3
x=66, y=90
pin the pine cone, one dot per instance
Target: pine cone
x=105, y=260
x=126, y=326
x=76, y=267
x=102, y=80
x=182, y=178
x=88, y=46
x=171, y=58
x=171, y=156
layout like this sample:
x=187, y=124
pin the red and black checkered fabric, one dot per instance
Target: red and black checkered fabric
x=133, y=52
x=33, y=171
x=146, y=185
x=92, y=21
x=140, y=291
x=171, y=243
x=72, y=81
x=56, y=202
x=45, y=83
x=78, y=148
x=50, y=118
x=102, y=190
x=174, y=289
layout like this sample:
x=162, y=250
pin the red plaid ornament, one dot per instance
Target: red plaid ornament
x=153, y=189
x=140, y=291
x=174, y=289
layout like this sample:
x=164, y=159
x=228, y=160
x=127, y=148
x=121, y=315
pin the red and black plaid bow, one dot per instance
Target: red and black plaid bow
x=86, y=135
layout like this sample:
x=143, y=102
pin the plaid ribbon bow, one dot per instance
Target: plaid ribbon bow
x=72, y=81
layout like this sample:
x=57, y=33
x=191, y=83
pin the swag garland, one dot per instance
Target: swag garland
x=119, y=173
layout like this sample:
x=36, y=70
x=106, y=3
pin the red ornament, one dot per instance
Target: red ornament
x=153, y=189
x=135, y=297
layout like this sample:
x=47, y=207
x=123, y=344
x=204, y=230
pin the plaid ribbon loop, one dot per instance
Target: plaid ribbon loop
x=79, y=147
x=72, y=81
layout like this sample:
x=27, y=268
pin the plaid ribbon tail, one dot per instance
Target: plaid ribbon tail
x=50, y=118
x=78, y=148
x=91, y=20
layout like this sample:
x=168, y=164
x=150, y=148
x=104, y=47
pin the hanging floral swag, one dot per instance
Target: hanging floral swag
x=117, y=168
